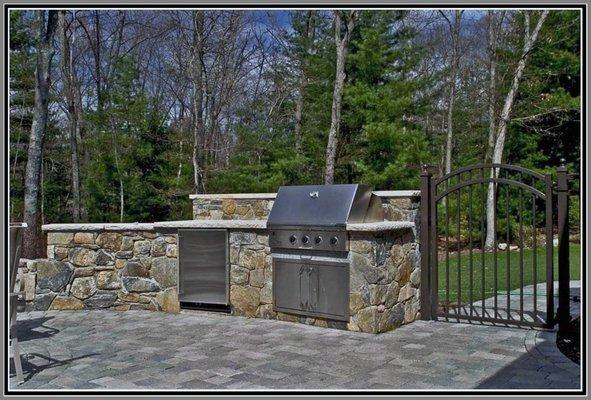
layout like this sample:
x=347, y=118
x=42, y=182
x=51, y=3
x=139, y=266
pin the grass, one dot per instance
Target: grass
x=489, y=272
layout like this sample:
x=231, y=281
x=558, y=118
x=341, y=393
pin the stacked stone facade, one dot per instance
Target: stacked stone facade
x=118, y=270
x=384, y=281
x=232, y=208
x=129, y=266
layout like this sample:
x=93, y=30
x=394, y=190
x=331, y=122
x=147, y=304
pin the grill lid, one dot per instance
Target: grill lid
x=324, y=206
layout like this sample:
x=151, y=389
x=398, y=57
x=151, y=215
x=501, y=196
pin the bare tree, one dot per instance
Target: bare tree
x=455, y=28
x=494, y=25
x=32, y=244
x=70, y=85
x=529, y=39
x=342, y=40
x=197, y=82
x=307, y=36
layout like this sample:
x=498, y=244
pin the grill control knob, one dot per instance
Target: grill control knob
x=305, y=239
x=334, y=240
x=318, y=239
x=292, y=239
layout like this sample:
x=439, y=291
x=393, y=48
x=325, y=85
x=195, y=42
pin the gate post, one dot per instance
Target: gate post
x=563, y=249
x=425, y=245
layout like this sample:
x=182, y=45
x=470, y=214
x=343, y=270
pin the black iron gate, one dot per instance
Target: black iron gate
x=487, y=245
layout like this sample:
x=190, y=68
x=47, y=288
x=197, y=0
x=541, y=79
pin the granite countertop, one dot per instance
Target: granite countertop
x=380, y=226
x=214, y=224
x=131, y=226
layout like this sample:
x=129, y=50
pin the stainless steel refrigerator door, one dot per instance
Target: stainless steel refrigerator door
x=203, y=266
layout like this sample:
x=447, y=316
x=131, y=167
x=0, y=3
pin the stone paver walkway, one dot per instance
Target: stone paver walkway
x=196, y=350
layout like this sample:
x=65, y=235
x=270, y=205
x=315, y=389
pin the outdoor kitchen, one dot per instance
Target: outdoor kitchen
x=336, y=256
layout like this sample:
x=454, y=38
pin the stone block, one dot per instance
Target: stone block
x=141, y=247
x=266, y=311
x=267, y=294
x=244, y=300
x=42, y=301
x=104, y=258
x=125, y=255
x=60, y=253
x=392, y=292
x=66, y=303
x=171, y=251
x=108, y=280
x=366, y=319
x=415, y=278
x=126, y=243
x=137, y=284
x=243, y=237
x=29, y=282
x=84, y=238
x=83, y=288
x=158, y=247
x=101, y=300
x=257, y=278
x=361, y=246
x=165, y=270
x=109, y=240
x=135, y=268
x=229, y=206
x=406, y=292
x=83, y=271
x=82, y=257
x=356, y=302
x=238, y=275
x=61, y=238
x=53, y=275
x=168, y=300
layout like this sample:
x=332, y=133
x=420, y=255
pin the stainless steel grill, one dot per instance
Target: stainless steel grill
x=309, y=244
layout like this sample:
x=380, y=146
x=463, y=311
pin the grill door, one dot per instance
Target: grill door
x=311, y=287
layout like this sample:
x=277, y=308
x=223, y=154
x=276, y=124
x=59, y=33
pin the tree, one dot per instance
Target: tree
x=197, y=82
x=32, y=242
x=454, y=28
x=342, y=43
x=73, y=108
x=529, y=39
x=306, y=35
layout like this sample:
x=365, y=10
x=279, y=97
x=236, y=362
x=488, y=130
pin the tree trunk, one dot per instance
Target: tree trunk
x=455, y=55
x=73, y=114
x=33, y=240
x=342, y=44
x=308, y=35
x=528, y=43
x=493, y=30
x=198, y=126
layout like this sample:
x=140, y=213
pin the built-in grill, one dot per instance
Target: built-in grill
x=309, y=244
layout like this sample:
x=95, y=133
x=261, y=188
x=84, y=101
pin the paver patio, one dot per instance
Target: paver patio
x=197, y=350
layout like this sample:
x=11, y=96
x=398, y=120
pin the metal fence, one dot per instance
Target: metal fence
x=487, y=245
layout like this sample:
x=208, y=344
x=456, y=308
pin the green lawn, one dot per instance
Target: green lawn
x=489, y=272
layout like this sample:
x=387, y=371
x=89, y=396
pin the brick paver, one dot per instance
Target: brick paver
x=197, y=350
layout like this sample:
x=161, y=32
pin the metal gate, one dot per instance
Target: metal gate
x=500, y=268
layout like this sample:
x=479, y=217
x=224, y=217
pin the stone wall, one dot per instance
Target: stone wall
x=398, y=205
x=234, y=207
x=401, y=208
x=98, y=269
x=385, y=280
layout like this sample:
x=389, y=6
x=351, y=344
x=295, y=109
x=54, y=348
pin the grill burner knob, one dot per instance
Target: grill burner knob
x=305, y=239
x=292, y=239
x=334, y=240
x=318, y=239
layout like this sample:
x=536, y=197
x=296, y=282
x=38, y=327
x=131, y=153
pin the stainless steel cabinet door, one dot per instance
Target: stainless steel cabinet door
x=288, y=291
x=331, y=295
x=203, y=266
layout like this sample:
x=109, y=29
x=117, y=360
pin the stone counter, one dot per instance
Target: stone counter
x=116, y=266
